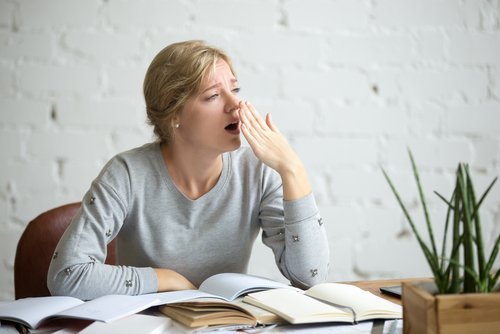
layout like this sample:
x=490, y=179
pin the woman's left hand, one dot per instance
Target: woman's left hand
x=271, y=147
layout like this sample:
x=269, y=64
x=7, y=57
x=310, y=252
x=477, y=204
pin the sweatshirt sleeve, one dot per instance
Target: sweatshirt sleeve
x=77, y=268
x=295, y=231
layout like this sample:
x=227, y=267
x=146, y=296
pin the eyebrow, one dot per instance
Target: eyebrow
x=234, y=80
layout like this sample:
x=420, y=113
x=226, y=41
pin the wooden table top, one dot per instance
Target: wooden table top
x=374, y=286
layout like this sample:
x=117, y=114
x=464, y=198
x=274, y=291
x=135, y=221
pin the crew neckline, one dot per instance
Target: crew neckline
x=221, y=182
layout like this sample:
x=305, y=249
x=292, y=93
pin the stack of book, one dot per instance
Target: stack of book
x=222, y=300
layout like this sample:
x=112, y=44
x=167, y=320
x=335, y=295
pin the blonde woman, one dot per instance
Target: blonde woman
x=191, y=204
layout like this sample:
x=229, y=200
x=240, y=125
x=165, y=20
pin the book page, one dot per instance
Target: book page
x=109, y=308
x=32, y=311
x=232, y=285
x=136, y=323
x=365, y=304
x=297, y=308
x=179, y=296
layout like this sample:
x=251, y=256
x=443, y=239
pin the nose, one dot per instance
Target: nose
x=232, y=103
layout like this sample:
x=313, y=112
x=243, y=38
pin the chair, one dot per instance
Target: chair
x=36, y=248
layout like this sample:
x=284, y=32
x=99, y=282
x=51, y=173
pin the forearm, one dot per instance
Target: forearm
x=300, y=243
x=91, y=280
x=295, y=181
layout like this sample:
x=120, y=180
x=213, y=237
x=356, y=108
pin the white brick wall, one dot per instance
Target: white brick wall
x=351, y=83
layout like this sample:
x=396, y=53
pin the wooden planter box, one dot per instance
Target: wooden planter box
x=424, y=312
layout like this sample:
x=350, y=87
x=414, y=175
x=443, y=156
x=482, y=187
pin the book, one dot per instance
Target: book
x=218, y=302
x=219, y=313
x=325, y=302
x=135, y=323
x=33, y=312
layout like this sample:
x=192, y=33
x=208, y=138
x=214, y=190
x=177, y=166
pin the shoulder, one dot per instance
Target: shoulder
x=128, y=163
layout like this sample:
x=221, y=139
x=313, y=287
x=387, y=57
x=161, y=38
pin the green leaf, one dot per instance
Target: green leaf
x=424, y=204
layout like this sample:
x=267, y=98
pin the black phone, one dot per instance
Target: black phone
x=394, y=290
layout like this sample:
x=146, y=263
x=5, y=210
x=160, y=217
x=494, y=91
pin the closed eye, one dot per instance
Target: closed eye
x=212, y=97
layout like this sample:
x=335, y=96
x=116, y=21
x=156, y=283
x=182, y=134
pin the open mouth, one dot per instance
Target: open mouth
x=232, y=126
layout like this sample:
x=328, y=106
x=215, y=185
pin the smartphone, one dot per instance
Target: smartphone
x=393, y=290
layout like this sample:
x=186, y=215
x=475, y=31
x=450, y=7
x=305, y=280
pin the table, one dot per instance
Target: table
x=374, y=286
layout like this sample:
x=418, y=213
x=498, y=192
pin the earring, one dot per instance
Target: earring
x=177, y=125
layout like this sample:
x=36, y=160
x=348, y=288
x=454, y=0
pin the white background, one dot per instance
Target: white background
x=352, y=84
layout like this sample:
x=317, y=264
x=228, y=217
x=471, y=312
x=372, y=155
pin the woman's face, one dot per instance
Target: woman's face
x=209, y=120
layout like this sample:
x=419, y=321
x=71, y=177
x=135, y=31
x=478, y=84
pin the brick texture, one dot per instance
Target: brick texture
x=352, y=84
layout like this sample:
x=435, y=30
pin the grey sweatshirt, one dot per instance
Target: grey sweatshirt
x=134, y=200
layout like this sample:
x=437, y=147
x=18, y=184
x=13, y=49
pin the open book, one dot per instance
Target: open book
x=32, y=312
x=326, y=302
x=218, y=302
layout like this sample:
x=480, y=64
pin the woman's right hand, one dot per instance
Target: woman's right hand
x=169, y=280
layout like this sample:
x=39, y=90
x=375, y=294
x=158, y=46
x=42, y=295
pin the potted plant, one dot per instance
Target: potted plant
x=462, y=298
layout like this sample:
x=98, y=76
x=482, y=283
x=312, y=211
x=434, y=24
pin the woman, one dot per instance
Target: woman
x=191, y=204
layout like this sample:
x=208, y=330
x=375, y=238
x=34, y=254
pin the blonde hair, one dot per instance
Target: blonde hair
x=175, y=75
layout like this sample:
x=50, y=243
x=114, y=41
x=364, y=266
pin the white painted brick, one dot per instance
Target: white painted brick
x=106, y=114
x=339, y=83
x=289, y=116
x=344, y=82
x=6, y=13
x=10, y=144
x=327, y=15
x=262, y=84
x=33, y=177
x=333, y=151
x=433, y=153
x=425, y=118
x=104, y=47
x=125, y=80
x=358, y=184
x=475, y=48
x=27, y=45
x=131, y=14
x=471, y=10
x=241, y=14
x=486, y=153
x=368, y=120
x=58, y=13
x=377, y=219
x=123, y=140
x=5, y=208
x=369, y=49
x=287, y=49
x=23, y=111
x=77, y=174
x=81, y=79
x=6, y=79
x=495, y=82
x=342, y=221
x=88, y=145
x=489, y=13
x=158, y=41
x=477, y=120
x=8, y=240
x=389, y=257
x=431, y=45
x=342, y=260
x=427, y=84
x=423, y=13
